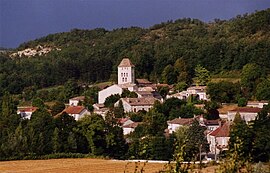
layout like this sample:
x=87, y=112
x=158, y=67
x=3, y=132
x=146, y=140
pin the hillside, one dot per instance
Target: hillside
x=92, y=55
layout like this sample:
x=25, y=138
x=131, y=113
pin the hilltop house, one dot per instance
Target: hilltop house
x=76, y=111
x=26, y=112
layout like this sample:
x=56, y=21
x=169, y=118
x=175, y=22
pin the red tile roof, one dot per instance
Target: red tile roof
x=126, y=63
x=80, y=98
x=74, y=109
x=182, y=121
x=132, y=125
x=247, y=109
x=223, y=131
x=27, y=109
x=143, y=81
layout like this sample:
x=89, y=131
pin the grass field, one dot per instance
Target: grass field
x=79, y=165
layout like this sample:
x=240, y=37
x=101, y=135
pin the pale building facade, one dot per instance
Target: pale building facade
x=26, y=112
x=137, y=104
x=76, y=100
x=247, y=113
x=219, y=139
x=77, y=112
x=103, y=94
x=126, y=72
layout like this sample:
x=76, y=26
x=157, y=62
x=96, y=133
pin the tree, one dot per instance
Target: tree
x=263, y=90
x=65, y=125
x=42, y=124
x=55, y=141
x=119, y=110
x=181, y=86
x=57, y=108
x=37, y=102
x=202, y=75
x=223, y=92
x=180, y=67
x=261, y=145
x=212, y=112
x=196, y=141
x=168, y=75
x=93, y=128
x=111, y=100
x=240, y=138
x=250, y=76
x=242, y=102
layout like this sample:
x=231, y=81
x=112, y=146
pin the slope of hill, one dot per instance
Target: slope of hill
x=92, y=55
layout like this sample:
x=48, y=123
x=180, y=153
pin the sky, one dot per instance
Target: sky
x=24, y=20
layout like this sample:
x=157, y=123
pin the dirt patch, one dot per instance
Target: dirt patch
x=75, y=165
x=83, y=165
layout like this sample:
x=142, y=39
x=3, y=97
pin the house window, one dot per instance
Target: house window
x=124, y=74
x=127, y=74
x=125, y=79
x=134, y=110
x=121, y=74
x=122, y=79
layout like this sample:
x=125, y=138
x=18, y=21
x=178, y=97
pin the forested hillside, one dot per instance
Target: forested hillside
x=90, y=56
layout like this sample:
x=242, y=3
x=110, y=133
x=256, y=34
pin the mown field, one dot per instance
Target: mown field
x=79, y=165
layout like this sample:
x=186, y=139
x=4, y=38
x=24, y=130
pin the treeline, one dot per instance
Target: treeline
x=92, y=55
x=51, y=131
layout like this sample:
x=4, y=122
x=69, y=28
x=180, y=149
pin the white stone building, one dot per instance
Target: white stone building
x=76, y=111
x=137, y=104
x=26, y=112
x=174, y=124
x=247, y=113
x=219, y=139
x=75, y=101
x=257, y=104
x=126, y=80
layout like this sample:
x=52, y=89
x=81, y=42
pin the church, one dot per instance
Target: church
x=126, y=80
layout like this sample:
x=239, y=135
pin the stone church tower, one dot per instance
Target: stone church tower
x=126, y=73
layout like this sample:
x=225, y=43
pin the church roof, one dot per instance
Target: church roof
x=126, y=63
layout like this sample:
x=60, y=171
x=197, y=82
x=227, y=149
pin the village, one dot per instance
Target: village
x=217, y=131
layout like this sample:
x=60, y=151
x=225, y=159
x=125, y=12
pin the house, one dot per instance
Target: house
x=257, y=104
x=181, y=95
x=126, y=80
x=198, y=90
x=218, y=139
x=137, y=104
x=76, y=111
x=100, y=109
x=247, y=113
x=212, y=125
x=129, y=128
x=174, y=124
x=76, y=100
x=26, y=112
x=124, y=121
